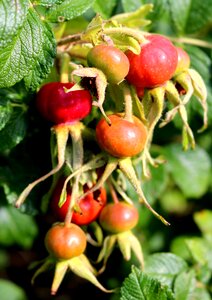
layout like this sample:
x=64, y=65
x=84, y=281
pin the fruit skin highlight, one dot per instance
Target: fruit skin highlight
x=155, y=64
x=65, y=241
x=122, y=138
x=111, y=61
x=58, y=106
x=118, y=217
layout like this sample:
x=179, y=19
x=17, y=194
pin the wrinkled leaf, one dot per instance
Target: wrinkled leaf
x=68, y=10
x=140, y=286
x=29, y=54
x=12, y=19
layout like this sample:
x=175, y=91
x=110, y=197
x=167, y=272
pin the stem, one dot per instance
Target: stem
x=128, y=103
x=191, y=41
x=69, y=39
x=112, y=192
x=77, y=161
x=64, y=70
x=62, y=137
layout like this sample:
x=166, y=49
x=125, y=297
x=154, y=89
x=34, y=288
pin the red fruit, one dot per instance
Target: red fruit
x=90, y=206
x=60, y=107
x=155, y=64
x=183, y=60
x=118, y=217
x=110, y=60
x=122, y=138
x=65, y=241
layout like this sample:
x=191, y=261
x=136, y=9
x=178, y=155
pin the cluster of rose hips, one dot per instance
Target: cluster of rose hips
x=80, y=188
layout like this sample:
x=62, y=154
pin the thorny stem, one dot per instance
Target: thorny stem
x=112, y=192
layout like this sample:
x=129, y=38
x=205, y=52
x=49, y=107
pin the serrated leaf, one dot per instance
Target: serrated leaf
x=10, y=290
x=13, y=14
x=190, y=168
x=184, y=286
x=68, y=10
x=30, y=53
x=140, y=286
x=164, y=267
x=16, y=227
x=104, y=8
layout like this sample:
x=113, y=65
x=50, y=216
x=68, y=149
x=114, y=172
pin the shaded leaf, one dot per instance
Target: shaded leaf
x=184, y=286
x=104, y=8
x=14, y=131
x=16, y=227
x=191, y=15
x=164, y=267
x=10, y=290
x=189, y=169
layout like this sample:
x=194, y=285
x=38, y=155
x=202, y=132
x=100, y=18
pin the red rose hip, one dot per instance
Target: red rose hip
x=155, y=64
x=118, y=217
x=58, y=106
x=122, y=138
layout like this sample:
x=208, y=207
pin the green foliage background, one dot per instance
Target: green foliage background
x=178, y=258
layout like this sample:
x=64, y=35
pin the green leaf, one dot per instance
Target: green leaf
x=48, y=2
x=155, y=187
x=5, y=114
x=68, y=10
x=104, y=8
x=190, y=169
x=159, y=6
x=16, y=227
x=190, y=16
x=201, y=293
x=164, y=267
x=140, y=286
x=14, y=131
x=30, y=54
x=200, y=61
x=10, y=290
x=184, y=286
x=200, y=250
x=13, y=14
x=203, y=219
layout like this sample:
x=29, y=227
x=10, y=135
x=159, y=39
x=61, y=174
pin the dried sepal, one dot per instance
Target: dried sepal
x=100, y=83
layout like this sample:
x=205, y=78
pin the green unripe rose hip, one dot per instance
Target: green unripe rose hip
x=110, y=60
